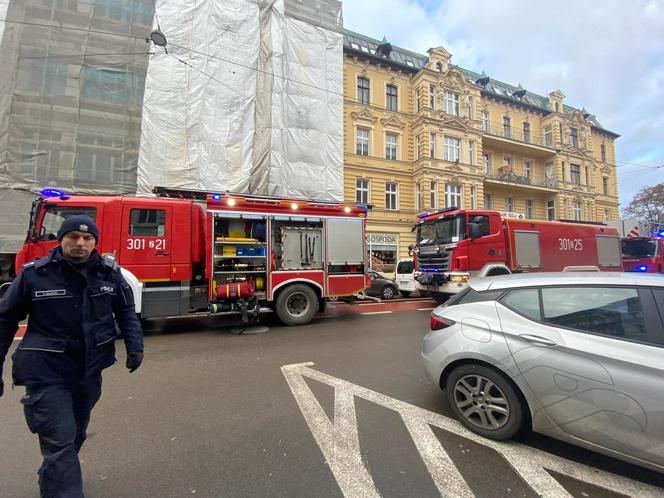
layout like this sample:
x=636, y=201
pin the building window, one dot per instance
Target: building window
x=418, y=196
x=471, y=153
x=473, y=197
x=563, y=170
x=485, y=121
x=576, y=210
x=362, y=191
x=557, y=107
x=452, y=103
x=471, y=114
x=452, y=195
x=526, y=132
x=602, y=151
x=434, y=195
x=392, y=98
x=363, y=90
x=527, y=168
x=418, y=148
x=606, y=215
x=432, y=97
x=575, y=173
x=574, y=137
x=417, y=99
x=551, y=210
x=585, y=173
x=530, y=209
x=509, y=204
x=362, y=142
x=391, y=199
x=560, y=131
x=391, y=146
x=432, y=145
x=548, y=136
x=485, y=164
x=487, y=201
x=507, y=127
x=605, y=185
x=452, y=148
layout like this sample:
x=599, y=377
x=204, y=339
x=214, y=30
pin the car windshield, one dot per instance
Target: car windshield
x=441, y=231
x=639, y=248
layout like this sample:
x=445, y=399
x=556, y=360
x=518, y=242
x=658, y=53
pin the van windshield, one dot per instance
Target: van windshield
x=442, y=231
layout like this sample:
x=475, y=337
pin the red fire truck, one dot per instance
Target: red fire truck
x=453, y=245
x=643, y=254
x=187, y=252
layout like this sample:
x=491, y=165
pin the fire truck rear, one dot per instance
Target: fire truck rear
x=453, y=245
x=187, y=252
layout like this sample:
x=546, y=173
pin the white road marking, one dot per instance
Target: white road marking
x=339, y=443
x=376, y=312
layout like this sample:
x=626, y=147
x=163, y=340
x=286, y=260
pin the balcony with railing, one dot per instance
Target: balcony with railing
x=506, y=176
x=514, y=135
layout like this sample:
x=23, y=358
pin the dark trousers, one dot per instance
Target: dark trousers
x=59, y=415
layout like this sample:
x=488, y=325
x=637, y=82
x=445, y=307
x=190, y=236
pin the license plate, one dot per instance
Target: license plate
x=405, y=282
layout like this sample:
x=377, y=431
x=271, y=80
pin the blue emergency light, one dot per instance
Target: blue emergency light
x=51, y=192
x=642, y=268
x=216, y=197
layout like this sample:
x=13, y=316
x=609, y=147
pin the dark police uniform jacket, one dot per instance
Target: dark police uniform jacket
x=71, y=327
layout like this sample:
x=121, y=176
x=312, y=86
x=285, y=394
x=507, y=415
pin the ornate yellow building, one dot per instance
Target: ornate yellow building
x=422, y=134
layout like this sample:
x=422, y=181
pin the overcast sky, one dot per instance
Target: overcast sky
x=605, y=56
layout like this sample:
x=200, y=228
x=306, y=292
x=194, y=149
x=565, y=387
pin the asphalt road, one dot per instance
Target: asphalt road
x=213, y=413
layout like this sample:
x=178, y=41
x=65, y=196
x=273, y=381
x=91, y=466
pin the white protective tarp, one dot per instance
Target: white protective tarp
x=248, y=99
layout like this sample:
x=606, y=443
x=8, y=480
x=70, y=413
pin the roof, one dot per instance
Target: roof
x=413, y=62
x=565, y=278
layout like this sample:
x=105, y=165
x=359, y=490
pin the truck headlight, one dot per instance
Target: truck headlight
x=459, y=279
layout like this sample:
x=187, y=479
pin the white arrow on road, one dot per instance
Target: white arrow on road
x=339, y=443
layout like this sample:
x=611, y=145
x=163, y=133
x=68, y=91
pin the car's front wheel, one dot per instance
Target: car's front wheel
x=484, y=401
x=388, y=292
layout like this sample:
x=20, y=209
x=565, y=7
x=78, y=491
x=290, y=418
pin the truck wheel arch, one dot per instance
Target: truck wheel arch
x=493, y=270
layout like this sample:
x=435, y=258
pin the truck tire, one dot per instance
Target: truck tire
x=439, y=297
x=297, y=304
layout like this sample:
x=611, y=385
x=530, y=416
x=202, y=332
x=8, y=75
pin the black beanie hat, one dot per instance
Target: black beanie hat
x=78, y=223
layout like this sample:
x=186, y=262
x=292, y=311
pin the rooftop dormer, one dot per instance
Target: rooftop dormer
x=439, y=59
x=556, y=99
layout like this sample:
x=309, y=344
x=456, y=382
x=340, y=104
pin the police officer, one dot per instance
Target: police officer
x=73, y=298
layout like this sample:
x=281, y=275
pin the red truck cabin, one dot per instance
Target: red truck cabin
x=643, y=254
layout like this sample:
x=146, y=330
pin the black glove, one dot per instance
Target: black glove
x=2, y=387
x=134, y=360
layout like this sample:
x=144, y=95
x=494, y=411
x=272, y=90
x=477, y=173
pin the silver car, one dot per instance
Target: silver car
x=579, y=357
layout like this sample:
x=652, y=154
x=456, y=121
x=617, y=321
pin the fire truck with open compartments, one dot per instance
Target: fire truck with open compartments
x=453, y=245
x=185, y=252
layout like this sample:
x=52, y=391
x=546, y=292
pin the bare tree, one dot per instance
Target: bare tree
x=647, y=206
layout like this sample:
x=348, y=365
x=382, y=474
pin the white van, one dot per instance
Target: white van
x=405, y=277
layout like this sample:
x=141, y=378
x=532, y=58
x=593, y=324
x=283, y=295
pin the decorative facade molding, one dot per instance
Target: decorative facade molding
x=364, y=115
x=394, y=122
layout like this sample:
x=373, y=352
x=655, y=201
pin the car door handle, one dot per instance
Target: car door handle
x=536, y=339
